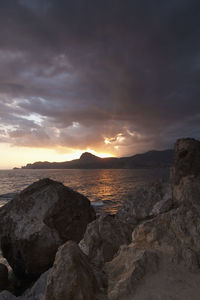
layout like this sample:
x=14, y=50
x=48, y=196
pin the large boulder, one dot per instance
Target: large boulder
x=37, y=221
x=103, y=238
x=71, y=277
x=146, y=202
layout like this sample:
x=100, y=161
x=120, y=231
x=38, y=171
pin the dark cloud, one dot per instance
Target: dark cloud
x=79, y=73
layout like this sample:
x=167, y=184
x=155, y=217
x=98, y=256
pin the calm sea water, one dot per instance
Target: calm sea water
x=106, y=189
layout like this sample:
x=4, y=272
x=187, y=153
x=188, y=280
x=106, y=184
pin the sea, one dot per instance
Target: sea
x=107, y=189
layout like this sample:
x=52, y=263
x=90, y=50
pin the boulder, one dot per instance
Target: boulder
x=71, y=277
x=37, y=221
x=146, y=202
x=103, y=237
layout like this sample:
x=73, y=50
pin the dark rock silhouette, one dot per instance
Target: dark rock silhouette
x=88, y=157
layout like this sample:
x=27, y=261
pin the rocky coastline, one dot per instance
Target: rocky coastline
x=53, y=247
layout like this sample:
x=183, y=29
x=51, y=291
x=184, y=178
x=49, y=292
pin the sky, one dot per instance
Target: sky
x=112, y=77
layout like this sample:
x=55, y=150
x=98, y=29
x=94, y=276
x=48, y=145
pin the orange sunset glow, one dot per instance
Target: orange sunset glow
x=19, y=156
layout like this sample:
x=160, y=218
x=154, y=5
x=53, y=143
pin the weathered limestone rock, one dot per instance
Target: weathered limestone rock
x=171, y=236
x=127, y=269
x=3, y=277
x=138, y=274
x=146, y=202
x=172, y=233
x=71, y=277
x=103, y=238
x=170, y=267
x=186, y=159
x=185, y=173
x=187, y=192
x=37, y=221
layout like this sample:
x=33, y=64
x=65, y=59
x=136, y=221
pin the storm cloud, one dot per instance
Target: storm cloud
x=119, y=76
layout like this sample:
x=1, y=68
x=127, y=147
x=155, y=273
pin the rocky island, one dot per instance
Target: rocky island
x=54, y=247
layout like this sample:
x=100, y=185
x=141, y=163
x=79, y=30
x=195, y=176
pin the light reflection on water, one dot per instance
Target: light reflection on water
x=102, y=186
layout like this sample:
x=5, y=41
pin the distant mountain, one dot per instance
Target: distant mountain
x=150, y=159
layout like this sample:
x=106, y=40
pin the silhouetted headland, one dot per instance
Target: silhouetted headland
x=150, y=159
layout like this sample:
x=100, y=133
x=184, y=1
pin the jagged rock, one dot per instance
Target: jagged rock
x=138, y=274
x=127, y=269
x=3, y=277
x=185, y=173
x=172, y=237
x=71, y=276
x=37, y=221
x=187, y=192
x=146, y=202
x=171, y=245
x=103, y=238
x=186, y=159
x=172, y=233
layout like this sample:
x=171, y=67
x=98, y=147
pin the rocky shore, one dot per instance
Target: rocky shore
x=55, y=248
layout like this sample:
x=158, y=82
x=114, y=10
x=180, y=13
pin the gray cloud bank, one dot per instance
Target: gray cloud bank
x=111, y=75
